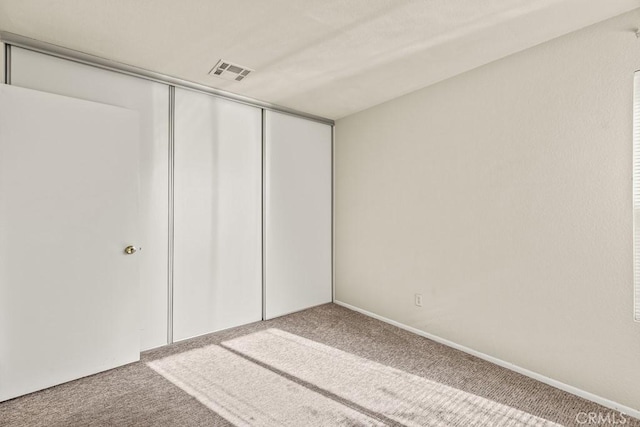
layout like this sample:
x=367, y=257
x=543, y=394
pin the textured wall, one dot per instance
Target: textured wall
x=503, y=195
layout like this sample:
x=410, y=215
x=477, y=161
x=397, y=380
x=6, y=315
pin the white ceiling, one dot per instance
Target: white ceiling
x=331, y=58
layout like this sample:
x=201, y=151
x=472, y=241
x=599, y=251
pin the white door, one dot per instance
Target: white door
x=68, y=208
x=217, y=273
x=297, y=214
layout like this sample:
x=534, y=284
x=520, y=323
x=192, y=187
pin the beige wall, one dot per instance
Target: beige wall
x=503, y=196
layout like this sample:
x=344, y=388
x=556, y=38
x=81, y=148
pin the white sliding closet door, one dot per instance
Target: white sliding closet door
x=151, y=100
x=297, y=214
x=218, y=230
x=68, y=208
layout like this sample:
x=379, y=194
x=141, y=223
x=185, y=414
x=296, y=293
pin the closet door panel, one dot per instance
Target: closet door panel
x=297, y=214
x=218, y=228
x=151, y=100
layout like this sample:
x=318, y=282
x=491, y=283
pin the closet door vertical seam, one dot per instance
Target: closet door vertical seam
x=170, y=252
x=264, y=228
x=7, y=64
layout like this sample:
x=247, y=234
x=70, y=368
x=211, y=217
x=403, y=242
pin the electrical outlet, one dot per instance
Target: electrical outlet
x=418, y=300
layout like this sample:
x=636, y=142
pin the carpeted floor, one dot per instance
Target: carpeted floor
x=320, y=367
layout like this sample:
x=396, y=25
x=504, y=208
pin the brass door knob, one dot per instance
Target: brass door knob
x=130, y=250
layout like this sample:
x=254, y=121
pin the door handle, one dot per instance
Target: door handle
x=130, y=250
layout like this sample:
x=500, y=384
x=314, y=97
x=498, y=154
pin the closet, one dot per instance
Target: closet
x=234, y=200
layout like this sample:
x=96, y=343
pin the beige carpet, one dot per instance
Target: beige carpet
x=321, y=367
x=385, y=391
x=248, y=394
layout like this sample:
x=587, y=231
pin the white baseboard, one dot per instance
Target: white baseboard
x=554, y=383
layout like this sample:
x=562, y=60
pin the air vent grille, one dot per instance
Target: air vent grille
x=230, y=71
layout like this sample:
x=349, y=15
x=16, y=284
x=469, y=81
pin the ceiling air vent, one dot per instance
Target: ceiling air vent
x=230, y=71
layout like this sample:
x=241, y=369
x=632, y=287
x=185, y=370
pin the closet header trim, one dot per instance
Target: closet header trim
x=96, y=61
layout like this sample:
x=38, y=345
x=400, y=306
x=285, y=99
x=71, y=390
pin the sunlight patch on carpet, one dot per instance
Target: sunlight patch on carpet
x=247, y=394
x=389, y=392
